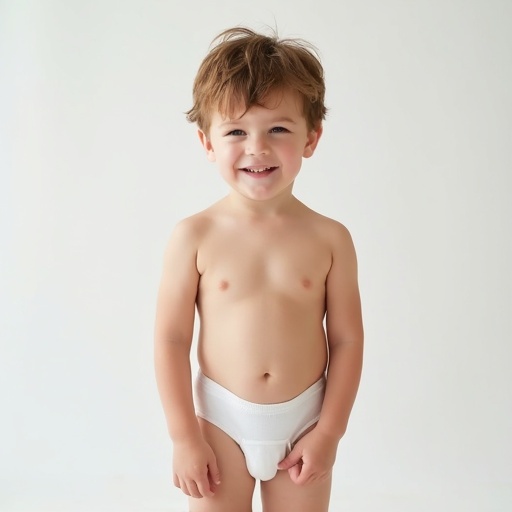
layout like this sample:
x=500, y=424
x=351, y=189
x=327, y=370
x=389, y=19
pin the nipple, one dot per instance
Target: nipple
x=306, y=282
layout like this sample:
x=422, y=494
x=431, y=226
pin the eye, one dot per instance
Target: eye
x=279, y=129
x=236, y=133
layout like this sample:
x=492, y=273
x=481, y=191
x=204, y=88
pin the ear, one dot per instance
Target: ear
x=312, y=141
x=207, y=145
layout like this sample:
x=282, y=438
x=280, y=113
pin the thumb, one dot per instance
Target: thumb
x=295, y=473
x=214, y=471
x=291, y=459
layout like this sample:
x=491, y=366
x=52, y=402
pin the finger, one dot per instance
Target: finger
x=213, y=485
x=213, y=471
x=302, y=479
x=203, y=486
x=193, y=490
x=291, y=459
x=183, y=486
x=176, y=480
x=294, y=473
x=306, y=475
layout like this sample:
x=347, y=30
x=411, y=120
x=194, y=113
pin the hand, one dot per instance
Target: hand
x=312, y=458
x=195, y=469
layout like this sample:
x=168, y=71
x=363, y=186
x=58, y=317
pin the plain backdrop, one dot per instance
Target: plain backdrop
x=98, y=163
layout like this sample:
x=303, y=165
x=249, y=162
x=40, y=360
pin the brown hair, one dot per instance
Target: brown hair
x=244, y=67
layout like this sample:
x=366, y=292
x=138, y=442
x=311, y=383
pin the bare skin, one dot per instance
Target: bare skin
x=263, y=272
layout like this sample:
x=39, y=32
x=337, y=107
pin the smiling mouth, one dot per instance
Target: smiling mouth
x=258, y=170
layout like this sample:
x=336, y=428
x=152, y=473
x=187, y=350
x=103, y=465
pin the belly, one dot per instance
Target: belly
x=263, y=350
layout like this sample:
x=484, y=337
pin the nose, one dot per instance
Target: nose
x=257, y=145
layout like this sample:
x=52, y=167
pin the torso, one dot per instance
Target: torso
x=261, y=302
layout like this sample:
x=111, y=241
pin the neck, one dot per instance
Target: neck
x=272, y=208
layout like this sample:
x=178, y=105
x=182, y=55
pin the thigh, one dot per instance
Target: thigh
x=234, y=494
x=281, y=494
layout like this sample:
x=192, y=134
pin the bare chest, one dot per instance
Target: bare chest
x=238, y=265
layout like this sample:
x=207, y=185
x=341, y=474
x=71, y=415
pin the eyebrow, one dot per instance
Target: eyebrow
x=271, y=121
x=284, y=120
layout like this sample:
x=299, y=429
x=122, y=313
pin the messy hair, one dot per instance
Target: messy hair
x=243, y=67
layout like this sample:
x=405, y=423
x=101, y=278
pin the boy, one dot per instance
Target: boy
x=275, y=390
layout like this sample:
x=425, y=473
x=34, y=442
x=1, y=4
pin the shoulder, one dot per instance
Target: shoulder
x=190, y=235
x=332, y=231
x=191, y=230
x=338, y=240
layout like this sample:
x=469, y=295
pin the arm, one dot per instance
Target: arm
x=345, y=338
x=195, y=469
x=313, y=456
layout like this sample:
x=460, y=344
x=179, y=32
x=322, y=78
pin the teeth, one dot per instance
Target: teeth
x=258, y=170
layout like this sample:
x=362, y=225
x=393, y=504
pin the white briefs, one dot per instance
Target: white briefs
x=264, y=432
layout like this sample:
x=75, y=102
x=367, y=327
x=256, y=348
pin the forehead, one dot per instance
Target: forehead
x=280, y=103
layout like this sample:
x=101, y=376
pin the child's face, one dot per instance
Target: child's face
x=260, y=153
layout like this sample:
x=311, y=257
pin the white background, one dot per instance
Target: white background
x=98, y=163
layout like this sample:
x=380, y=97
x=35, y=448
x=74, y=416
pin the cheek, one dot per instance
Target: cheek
x=228, y=154
x=292, y=152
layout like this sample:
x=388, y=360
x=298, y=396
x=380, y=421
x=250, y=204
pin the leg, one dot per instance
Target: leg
x=234, y=494
x=280, y=494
